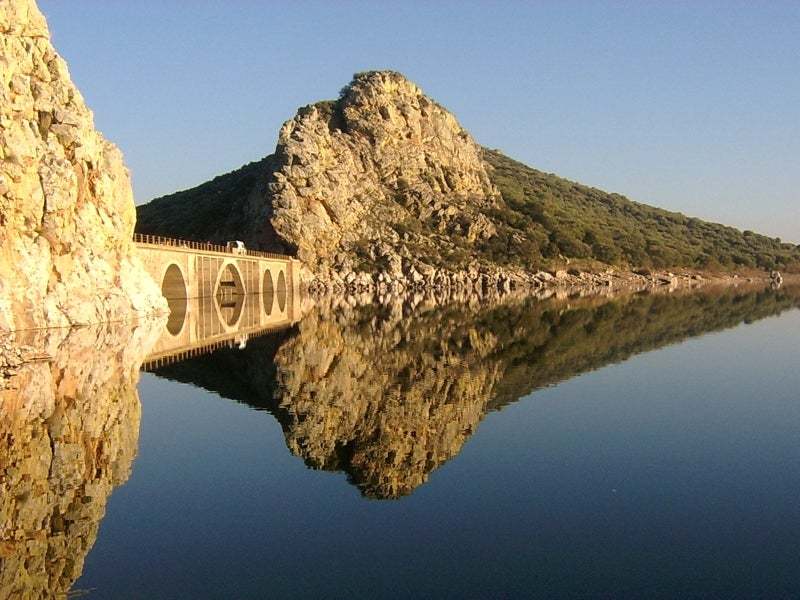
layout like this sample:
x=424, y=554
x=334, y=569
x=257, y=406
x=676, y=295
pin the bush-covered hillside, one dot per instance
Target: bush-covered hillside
x=541, y=220
x=210, y=212
x=546, y=216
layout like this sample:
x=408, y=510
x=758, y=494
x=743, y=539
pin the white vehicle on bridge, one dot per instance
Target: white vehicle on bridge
x=236, y=247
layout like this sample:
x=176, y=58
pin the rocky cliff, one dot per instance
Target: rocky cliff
x=382, y=180
x=383, y=188
x=352, y=172
x=66, y=205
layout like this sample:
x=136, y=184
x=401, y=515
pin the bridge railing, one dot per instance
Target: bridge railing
x=158, y=240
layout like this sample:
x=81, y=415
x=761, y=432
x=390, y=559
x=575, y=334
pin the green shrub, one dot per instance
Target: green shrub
x=584, y=222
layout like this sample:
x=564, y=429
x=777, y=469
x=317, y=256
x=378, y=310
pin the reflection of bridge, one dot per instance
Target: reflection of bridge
x=216, y=295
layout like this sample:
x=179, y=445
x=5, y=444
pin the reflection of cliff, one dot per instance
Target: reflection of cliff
x=69, y=429
x=386, y=399
x=560, y=343
x=387, y=394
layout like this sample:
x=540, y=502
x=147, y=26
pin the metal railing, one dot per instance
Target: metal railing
x=158, y=240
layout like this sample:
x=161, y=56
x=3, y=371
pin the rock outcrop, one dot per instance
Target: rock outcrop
x=383, y=188
x=357, y=175
x=66, y=206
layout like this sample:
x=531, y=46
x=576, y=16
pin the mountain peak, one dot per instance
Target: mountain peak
x=384, y=185
x=348, y=172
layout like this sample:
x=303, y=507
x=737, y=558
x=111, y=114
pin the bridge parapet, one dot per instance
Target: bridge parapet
x=205, y=247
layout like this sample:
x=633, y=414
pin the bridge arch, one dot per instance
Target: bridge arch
x=229, y=292
x=268, y=291
x=281, y=291
x=173, y=288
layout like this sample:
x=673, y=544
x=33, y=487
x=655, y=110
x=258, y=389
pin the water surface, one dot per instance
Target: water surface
x=643, y=446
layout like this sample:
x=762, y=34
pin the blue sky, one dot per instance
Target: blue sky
x=691, y=106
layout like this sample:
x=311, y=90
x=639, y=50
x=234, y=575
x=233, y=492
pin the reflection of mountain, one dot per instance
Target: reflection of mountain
x=69, y=429
x=387, y=394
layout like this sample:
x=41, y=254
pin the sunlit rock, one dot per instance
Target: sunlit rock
x=66, y=205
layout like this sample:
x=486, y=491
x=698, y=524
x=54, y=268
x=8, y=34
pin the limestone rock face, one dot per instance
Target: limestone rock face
x=66, y=205
x=384, y=154
x=382, y=185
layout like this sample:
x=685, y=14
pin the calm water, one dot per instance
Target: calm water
x=640, y=447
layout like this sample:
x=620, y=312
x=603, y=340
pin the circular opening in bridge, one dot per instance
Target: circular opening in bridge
x=281, y=291
x=173, y=288
x=230, y=294
x=268, y=292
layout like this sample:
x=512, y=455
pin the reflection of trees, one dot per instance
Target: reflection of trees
x=69, y=430
x=387, y=394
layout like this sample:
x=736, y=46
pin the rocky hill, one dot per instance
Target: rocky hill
x=66, y=205
x=384, y=184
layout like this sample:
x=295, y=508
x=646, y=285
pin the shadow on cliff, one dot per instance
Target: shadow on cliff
x=388, y=393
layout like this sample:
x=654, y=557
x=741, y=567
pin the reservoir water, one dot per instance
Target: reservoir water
x=642, y=446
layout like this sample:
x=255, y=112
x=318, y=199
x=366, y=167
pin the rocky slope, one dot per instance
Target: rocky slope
x=370, y=182
x=384, y=187
x=66, y=205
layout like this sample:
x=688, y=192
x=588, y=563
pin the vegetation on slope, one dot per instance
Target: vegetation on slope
x=545, y=217
x=214, y=206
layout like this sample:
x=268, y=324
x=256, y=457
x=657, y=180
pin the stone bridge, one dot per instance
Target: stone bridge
x=216, y=293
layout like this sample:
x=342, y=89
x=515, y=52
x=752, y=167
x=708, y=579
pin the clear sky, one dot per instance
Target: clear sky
x=691, y=106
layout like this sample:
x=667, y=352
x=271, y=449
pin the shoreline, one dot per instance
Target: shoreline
x=484, y=282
